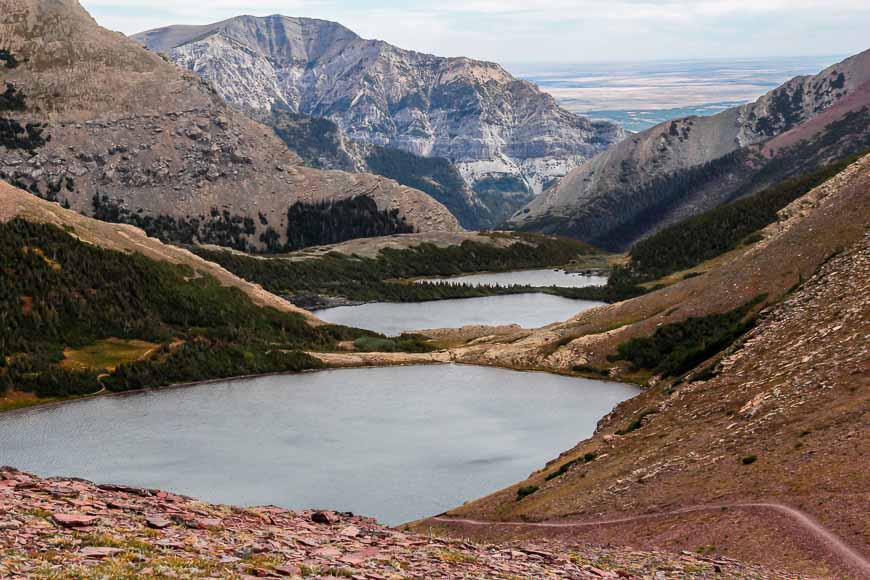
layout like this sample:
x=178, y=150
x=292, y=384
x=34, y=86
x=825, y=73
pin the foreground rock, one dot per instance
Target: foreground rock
x=130, y=532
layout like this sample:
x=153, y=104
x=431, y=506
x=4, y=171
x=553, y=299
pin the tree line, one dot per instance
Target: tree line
x=58, y=292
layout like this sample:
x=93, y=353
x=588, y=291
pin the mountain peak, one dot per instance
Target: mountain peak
x=507, y=138
x=130, y=137
x=294, y=34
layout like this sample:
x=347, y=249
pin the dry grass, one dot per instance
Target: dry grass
x=107, y=354
x=12, y=400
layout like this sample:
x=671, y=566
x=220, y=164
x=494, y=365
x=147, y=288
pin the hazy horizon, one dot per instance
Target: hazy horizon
x=552, y=31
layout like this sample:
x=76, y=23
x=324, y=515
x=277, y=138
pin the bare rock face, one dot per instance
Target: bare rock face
x=148, y=141
x=684, y=167
x=508, y=139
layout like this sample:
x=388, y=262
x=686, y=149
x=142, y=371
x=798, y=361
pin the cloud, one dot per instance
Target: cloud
x=548, y=30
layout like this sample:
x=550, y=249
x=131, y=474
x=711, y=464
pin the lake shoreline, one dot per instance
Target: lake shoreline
x=262, y=429
x=400, y=359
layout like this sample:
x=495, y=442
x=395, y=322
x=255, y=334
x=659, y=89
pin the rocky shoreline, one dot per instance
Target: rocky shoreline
x=71, y=528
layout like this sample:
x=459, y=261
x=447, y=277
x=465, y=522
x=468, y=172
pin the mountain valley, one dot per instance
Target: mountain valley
x=684, y=167
x=184, y=211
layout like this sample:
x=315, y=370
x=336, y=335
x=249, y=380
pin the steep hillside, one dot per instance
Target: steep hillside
x=507, y=138
x=322, y=144
x=714, y=454
x=89, y=306
x=117, y=131
x=680, y=168
x=15, y=203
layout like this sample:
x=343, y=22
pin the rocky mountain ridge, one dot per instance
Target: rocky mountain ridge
x=508, y=139
x=128, y=136
x=683, y=167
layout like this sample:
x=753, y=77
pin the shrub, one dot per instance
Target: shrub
x=637, y=423
x=590, y=370
x=676, y=348
x=565, y=467
x=403, y=343
x=526, y=491
x=749, y=459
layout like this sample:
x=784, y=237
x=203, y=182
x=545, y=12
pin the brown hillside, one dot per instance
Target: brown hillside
x=783, y=422
x=125, y=124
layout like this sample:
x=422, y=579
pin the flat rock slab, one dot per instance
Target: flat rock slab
x=158, y=522
x=99, y=552
x=357, y=558
x=74, y=520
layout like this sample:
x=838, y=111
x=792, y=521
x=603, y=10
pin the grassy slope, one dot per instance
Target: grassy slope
x=88, y=305
x=801, y=370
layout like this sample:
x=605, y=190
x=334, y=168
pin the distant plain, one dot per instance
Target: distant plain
x=641, y=95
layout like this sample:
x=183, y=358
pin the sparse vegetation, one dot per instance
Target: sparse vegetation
x=14, y=135
x=526, y=491
x=11, y=99
x=403, y=343
x=676, y=348
x=637, y=423
x=8, y=59
x=590, y=370
x=566, y=467
x=456, y=557
x=219, y=227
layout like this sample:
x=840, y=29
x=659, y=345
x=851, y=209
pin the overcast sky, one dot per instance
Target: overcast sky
x=549, y=30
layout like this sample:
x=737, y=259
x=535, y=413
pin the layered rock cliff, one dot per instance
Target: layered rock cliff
x=117, y=131
x=508, y=139
x=683, y=167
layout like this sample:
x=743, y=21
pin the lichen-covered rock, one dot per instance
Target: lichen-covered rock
x=273, y=542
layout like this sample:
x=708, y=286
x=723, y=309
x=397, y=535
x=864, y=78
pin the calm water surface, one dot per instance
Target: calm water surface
x=394, y=443
x=392, y=318
x=527, y=310
x=547, y=277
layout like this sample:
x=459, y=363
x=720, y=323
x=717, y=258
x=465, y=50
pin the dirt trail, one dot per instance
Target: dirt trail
x=845, y=555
